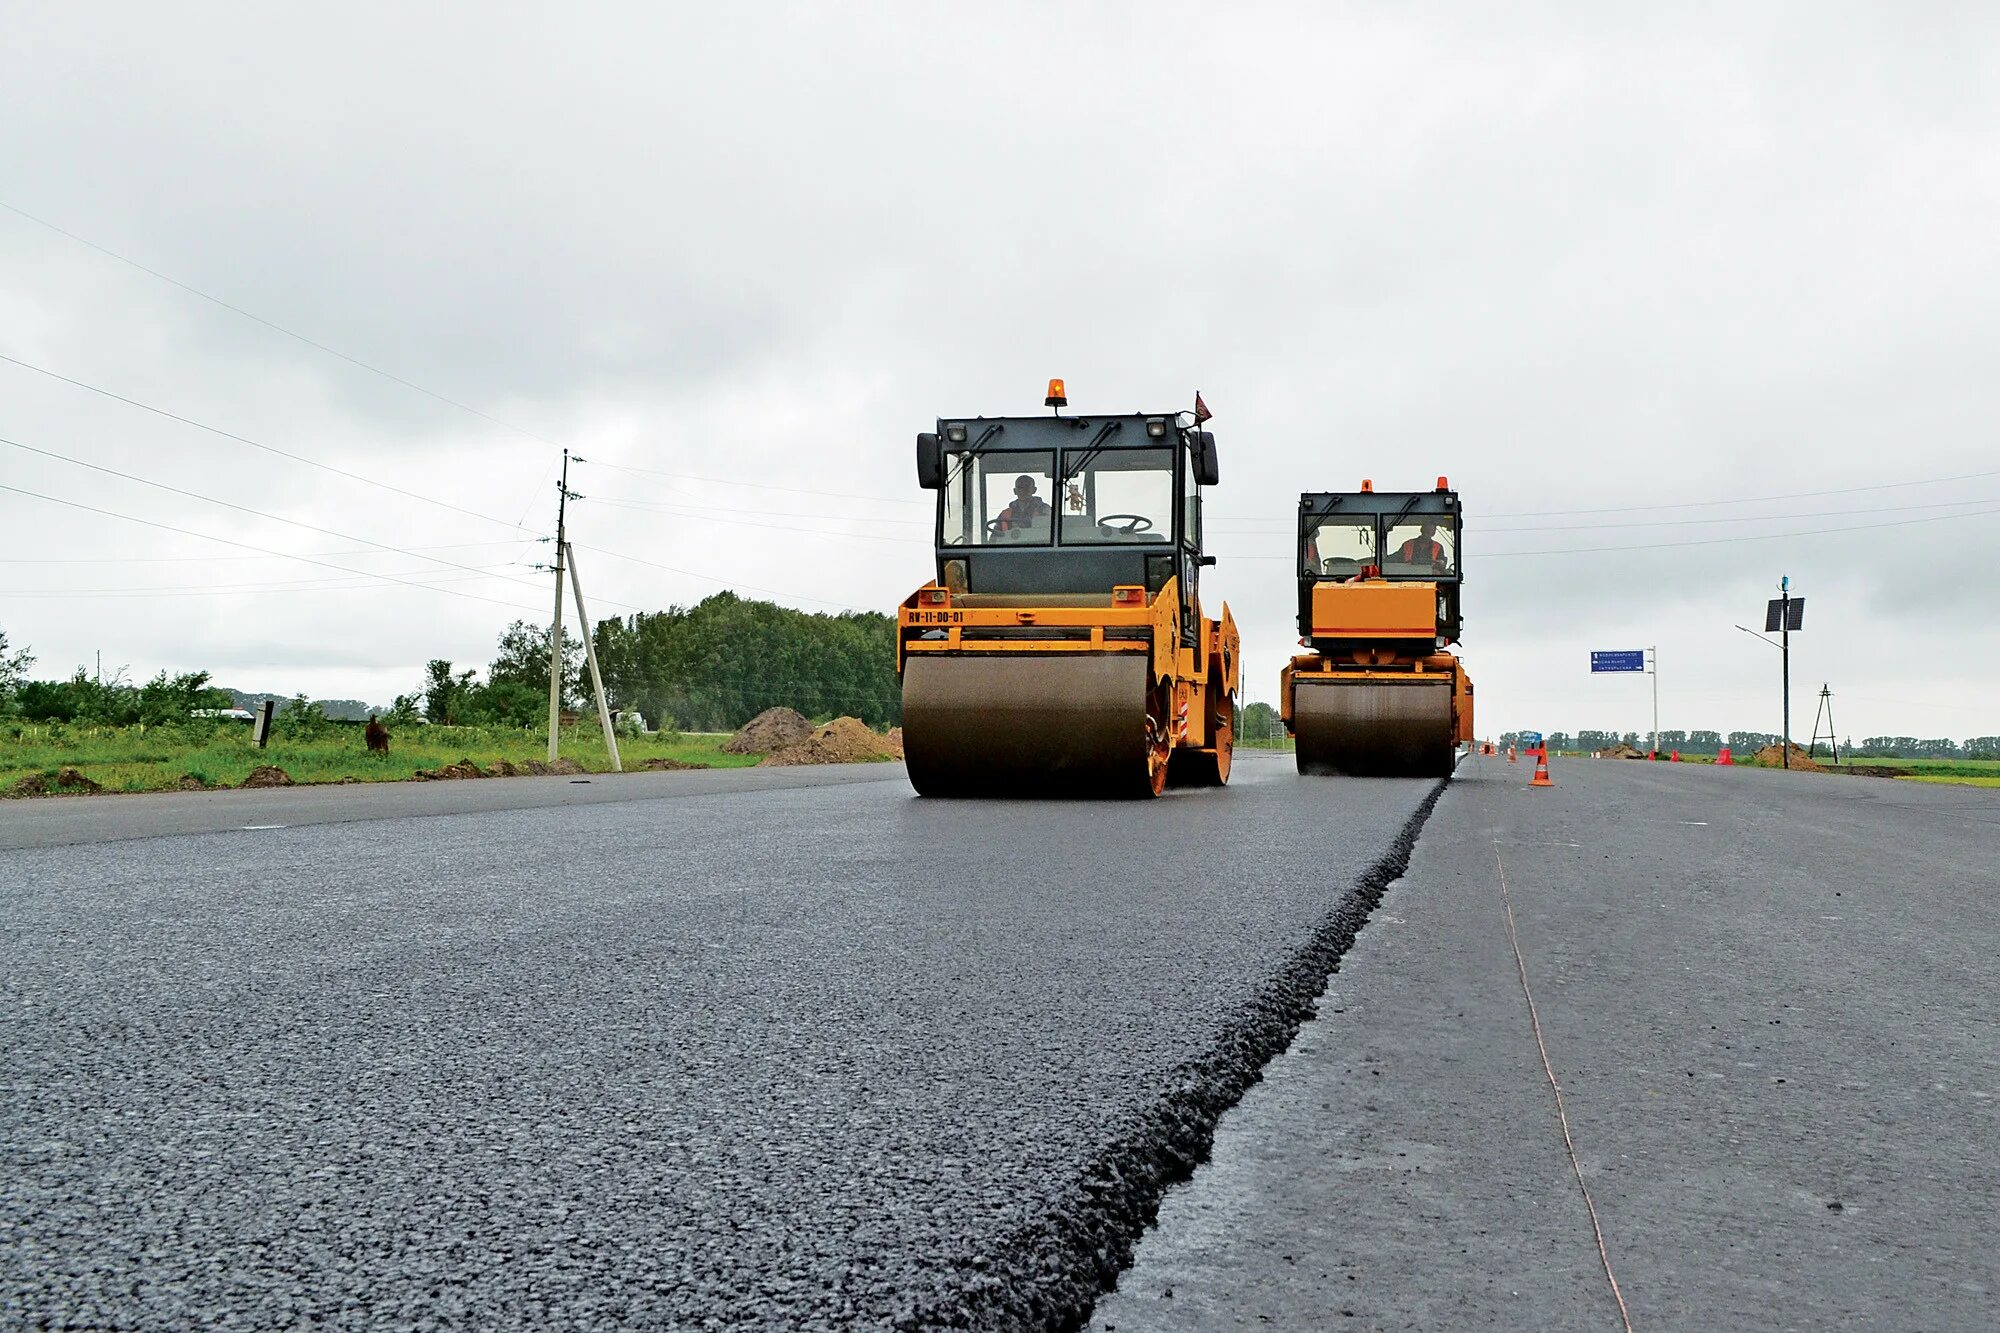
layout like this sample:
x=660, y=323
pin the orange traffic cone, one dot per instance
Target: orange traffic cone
x=1677, y=756
x=1541, y=778
x=1723, y=760
x=1510, y=754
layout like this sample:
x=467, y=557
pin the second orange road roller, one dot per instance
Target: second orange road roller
x=1061, y=648
x=1380, y=693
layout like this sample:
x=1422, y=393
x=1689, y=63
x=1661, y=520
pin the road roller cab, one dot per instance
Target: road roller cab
x=1379, y=576
x=1061, y=647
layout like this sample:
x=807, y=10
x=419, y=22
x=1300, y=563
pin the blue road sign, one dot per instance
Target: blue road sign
x=1530, y=739
x=1619, y=661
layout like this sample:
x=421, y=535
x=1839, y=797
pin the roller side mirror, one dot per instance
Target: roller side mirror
x=1205, y=473
x=930, y=461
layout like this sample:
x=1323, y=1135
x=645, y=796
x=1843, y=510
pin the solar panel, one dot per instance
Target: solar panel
x=1776, y=615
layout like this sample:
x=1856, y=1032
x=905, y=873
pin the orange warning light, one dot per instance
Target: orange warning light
x=1367, y=486
x=1444, y=483
x=1058, y=395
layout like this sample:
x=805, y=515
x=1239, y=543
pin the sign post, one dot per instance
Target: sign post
x=1783, y=614
x=1633, y=659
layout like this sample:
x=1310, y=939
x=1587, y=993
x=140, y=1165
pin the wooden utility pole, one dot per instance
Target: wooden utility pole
x=555, y=625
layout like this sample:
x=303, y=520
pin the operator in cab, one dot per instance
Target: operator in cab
x=1029, y=510
x=1423, y=549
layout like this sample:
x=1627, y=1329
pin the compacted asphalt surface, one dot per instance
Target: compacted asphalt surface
x=1769, y=1002
x=775, y=1049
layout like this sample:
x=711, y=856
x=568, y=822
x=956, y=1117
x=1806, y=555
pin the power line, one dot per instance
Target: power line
x=261, y=550
x=189, y=559
x=1751, y=499
x=710, y=578
x=395, y=378
x=258, y=513
x=1704, y=541
x=257, y=444
x=276, y=327
x=1749, y=537
x=769, y=527
x=237, y=589
x=1477, y=523
x=757, y=485
x=692, y=507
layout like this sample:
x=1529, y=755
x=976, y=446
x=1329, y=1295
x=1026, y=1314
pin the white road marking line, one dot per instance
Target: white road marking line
x=255, y=828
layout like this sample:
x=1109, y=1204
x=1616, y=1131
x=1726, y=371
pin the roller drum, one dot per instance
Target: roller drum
x=1017, y=724
x=1372, y=728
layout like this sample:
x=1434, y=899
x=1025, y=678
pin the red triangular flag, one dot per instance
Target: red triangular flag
x=1201, y=412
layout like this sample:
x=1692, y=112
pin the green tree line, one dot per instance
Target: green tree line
x=707, y=667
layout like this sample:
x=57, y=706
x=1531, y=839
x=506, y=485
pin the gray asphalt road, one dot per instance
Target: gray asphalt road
x=696, y=1050
x=62, y=820
x=1769, y=1001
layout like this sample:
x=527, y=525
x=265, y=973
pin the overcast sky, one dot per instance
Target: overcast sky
x=1665, y=296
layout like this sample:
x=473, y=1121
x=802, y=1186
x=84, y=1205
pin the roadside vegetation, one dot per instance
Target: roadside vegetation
x=671, y=677
x=221, y=754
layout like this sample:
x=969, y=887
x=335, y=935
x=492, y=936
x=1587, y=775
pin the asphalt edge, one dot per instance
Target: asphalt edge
x=1051, y=1274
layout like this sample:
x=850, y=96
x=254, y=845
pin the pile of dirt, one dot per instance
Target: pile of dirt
x=845, y=740
x=1773, y=756
x=268, y=775
x=457, y=772
x=189, y=782
x=70, y=780
x=1622, y=751
x=772, y=730
x=32, y=785
x=663, y=764
x=894, y=740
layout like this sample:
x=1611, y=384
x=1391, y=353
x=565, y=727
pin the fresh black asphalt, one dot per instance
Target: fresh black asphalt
x=694, y=1050
x=1769, y=1000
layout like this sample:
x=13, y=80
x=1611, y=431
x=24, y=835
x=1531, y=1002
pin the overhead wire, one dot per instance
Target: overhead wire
x=267, y=448
x=755, y=485
x=187, y=559
x=274, y=326
x=326, y=584
x=261, y=550
x=257, y=513
x=358, y=362
x=1702, y=541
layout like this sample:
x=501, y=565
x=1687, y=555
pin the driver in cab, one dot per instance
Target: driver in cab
x=1423, y=549
x=1029, y=510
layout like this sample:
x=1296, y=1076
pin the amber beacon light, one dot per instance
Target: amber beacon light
x=1058, y=395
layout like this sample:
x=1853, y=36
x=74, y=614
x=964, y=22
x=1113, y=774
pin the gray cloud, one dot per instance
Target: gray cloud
x=1574, y=259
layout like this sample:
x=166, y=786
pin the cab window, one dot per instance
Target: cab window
x=999, y=498
x=1116, y=497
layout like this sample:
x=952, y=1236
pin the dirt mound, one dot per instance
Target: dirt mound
x=771, y=730
x=457, y=772
x=1622, y=751
x=1773, y=756
x=663, y=764
x=567, y=767
x=189, y=782
x=894, y=741
x=32, y=785
x=70, y=780
x=845, y=740
x=504, y=768
x=268, y=775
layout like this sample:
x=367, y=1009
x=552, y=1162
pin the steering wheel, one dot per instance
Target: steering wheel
x=1125, y=525
x=993, y=526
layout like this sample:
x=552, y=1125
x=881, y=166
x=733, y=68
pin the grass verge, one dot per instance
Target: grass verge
x=159, y=758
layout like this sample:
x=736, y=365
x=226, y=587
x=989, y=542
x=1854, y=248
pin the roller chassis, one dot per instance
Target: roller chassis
x=1034, y=699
